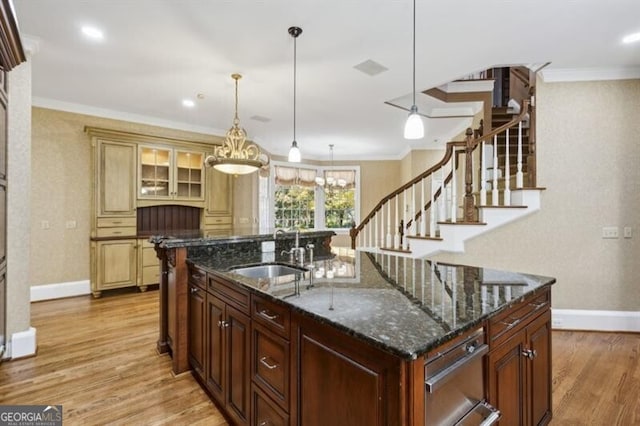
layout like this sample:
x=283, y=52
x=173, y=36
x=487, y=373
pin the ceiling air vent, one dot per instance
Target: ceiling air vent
x=371, y=68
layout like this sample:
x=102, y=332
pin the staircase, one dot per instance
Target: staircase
x=481, y=183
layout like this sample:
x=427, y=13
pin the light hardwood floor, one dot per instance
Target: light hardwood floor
x=97, y=358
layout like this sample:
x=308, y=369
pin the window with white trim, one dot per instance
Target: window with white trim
x=308, y=197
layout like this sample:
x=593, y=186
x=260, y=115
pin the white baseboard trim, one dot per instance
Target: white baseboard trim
x=60, y=290
x=578, y=319
x=23, y=344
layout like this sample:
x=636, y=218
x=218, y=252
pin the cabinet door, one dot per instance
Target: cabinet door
x=189, y=175
x=219, y=193
x=154, y=173
x=116, y=264
x=507, y=372
x=197, y=328
x=238, y=351
x=215, y=347
x=116, y=172
x=539, y=383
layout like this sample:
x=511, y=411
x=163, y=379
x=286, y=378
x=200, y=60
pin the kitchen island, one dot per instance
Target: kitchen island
x=354, y=339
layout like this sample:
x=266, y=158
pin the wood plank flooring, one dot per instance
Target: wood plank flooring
x=97, y=358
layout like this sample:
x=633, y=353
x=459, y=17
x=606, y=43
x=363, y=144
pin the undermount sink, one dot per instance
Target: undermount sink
x=267, y=271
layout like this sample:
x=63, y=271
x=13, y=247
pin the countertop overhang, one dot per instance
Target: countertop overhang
x=401, y=305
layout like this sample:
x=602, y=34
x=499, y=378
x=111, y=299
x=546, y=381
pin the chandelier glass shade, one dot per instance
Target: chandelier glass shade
x=330, y=180
x=236, y=156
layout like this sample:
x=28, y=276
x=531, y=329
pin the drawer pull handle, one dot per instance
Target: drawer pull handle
x=510, y=325
x=117, y=222
x=528, y=353
x=117, y=232
x=266, y=314
x=264, y=362
x=223, y=324
x=537, y=306
x=196, y=276
x=264, y=423
x=194, y=290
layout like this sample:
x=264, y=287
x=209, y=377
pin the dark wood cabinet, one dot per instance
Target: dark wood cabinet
x=519, y=373
x=345, y=380
x=197, y=329
x=227, y=352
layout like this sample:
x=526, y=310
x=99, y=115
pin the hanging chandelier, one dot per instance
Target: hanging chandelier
x=330, y=181
x=414, y=127
x=294, y=152
x=236, y=156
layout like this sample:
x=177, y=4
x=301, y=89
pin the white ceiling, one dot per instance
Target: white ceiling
x=157, y=52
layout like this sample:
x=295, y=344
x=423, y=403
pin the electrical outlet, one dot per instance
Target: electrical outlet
x=628, y=233
x=44, y=224
x=610, y=232
x=71, y=224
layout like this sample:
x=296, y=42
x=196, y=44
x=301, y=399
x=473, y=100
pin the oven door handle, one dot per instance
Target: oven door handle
x=434, y=382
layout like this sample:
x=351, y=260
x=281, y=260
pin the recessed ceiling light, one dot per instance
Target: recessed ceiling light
x=188, y=103
x=92, y=32
x=631, y=38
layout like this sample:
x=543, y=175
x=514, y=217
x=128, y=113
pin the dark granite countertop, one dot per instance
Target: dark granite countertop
x=402, y=305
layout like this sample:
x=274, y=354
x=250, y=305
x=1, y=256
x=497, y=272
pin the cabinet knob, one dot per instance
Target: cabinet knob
x=193, y=290
x=223, y=324
x=528, y=353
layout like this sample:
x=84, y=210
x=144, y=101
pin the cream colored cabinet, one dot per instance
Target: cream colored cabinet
x=115, y=264
x=170, y=174
x=218, y=219
x=116, y=176
x=148, y=265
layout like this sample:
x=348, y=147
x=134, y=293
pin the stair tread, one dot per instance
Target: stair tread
x=448, y=222
x=420, y=237
x=395, y=250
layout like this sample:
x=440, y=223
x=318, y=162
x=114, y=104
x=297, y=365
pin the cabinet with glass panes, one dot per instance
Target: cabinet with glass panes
x=170, y=173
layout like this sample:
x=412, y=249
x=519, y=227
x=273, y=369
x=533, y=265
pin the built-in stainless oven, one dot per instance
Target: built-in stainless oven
x=455, y=386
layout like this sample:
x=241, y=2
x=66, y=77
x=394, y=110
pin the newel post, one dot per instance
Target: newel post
x=353, y=233
x=531, y=160
x=469, y=202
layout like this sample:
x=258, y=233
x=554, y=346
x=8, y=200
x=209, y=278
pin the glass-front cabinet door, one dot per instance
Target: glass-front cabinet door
x=189, y=175
x=170, y=174
x=155, y=173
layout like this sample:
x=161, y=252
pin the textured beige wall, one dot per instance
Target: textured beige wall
x=18, y=313
x=60, y=190
x=588, y=153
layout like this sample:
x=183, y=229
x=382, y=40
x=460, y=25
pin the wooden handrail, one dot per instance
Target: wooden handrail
x=473, y=144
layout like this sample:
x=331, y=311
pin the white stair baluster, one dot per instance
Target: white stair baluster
x=519, y=176
x=423, y=213
x=389, y=240
x=454, y=191
x=494, y=170
x=432, y=209
x=396, y=235
x=443, y=198
x=405, y=241
x=507, y=174
x=483, y=176
x=414, y=227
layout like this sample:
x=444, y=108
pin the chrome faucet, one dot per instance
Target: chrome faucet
x=277, y=232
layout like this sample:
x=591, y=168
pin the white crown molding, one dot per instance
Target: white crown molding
x=124, y=116
x=589, y=74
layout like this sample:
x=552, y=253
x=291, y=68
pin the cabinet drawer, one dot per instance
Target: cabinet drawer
x=507, y=323
x=217, y=220
x=270, y=364
x=116, y=232
x=265, y=413
x=197, y=276
x=230, y=293
x=150, y=275
x=272, y=315
x=116, y=222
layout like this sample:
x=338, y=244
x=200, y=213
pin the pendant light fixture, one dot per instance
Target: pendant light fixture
x=414, y=128
x=236, y=156
x=294, y=151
